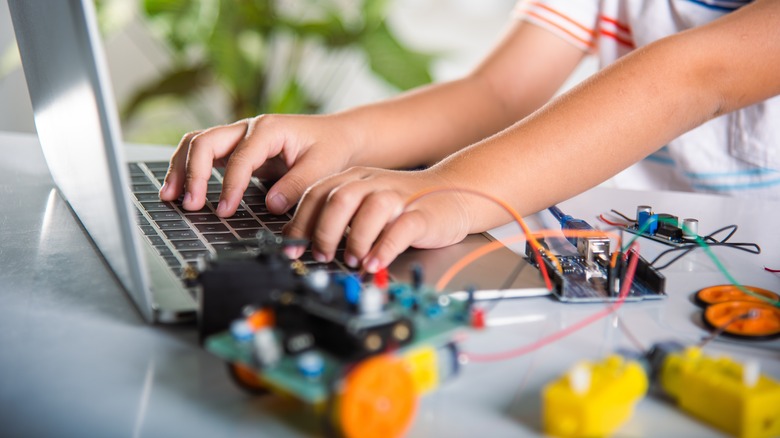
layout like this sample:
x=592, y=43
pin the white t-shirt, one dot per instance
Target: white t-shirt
x=737, y=153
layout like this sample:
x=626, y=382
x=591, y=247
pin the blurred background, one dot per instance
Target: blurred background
x=181, y=65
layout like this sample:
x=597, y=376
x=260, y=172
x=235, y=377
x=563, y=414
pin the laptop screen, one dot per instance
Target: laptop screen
x=78, y=128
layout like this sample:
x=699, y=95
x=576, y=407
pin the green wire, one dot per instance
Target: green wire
x=641, y=230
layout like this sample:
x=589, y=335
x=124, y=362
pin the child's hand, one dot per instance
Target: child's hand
x=299, y=149
x=371, y=202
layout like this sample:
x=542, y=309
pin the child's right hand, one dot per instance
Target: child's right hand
x=299, y=150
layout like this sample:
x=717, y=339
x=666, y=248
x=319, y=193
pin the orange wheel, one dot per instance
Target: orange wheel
x=729, y=292
x=247, y=379
x=744, y=319
x=378, y=399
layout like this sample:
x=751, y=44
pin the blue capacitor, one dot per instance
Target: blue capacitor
x=311, y=365
x=241, y=330
x=646, y=219
x=351, y=285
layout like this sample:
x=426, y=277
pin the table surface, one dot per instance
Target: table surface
x=76, y=358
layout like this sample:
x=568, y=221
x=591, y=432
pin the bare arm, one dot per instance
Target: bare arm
x=423, y=126
x=419, y=127
x=628, y=111
x=578, y=140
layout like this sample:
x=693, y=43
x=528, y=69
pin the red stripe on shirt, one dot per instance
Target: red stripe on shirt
x=617, y=38
x=617, y=24
x=563, y=29
x=547, y=8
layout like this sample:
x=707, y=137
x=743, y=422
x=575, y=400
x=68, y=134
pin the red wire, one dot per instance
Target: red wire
x=608, y=222
x=771, y=270
x=625, y=289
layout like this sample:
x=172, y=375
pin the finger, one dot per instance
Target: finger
x=397, y=237
x=251, y=153
x=341, y=205
x=305, y=220
x=205, y=148
x=173, y=184
x=290, y=188
x=372, y=217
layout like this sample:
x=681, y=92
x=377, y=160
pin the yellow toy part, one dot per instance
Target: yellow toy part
x=593, y=399
x=422, y=364
x=731, y=396
x=378, y=399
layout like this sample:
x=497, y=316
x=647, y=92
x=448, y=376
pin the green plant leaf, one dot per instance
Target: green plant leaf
x=392, y=61
x=178, y=83
x=291, y=99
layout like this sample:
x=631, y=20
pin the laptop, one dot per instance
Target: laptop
x=144, y=241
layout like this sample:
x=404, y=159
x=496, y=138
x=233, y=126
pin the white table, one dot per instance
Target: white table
x=76, y=359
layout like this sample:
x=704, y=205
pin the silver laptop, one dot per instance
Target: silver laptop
x=144, y=241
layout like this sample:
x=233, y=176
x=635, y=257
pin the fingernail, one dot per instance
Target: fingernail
x=187, y=198
x=278, y=203
x=291, y=252
x=320, y=257
x=372, y=265
x=222, y=208
x=164, y=188
x=351, y=261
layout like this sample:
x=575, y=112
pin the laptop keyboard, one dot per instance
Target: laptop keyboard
x=181, y=236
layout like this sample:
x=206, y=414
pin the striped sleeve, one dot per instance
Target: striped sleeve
x=573, y=20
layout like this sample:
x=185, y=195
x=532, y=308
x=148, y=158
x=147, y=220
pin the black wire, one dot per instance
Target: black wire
x=751, y=248
x=622, y=215
x=742, y=246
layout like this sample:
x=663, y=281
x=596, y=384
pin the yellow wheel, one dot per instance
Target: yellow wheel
x=247, y=379
x=378, y=399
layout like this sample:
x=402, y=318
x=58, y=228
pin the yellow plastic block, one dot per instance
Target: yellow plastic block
x=714, y=390
x=597, y=402
x=423, y=365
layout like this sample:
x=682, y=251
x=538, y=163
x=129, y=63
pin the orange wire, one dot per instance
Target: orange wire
x=538, y=249
x=492, y=246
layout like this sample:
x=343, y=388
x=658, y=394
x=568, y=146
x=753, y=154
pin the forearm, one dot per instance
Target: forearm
x=624, y=113
x=425, y=125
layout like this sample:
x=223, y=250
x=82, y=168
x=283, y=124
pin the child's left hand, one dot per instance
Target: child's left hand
x=371, y=204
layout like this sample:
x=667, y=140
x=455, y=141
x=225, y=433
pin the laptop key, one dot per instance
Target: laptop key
x=183, y=245
x=243, y=223
x=173, y=225
x=180, y=235
x=157, y=206
x=275, y=227
x=212, y=228
x=202, y=218
x=147, y=196
x=193, y=254
x=156, y=240
x=249, y=233
x=168, y=215
x=148, y=230
x=220, y=238
x=145, y=188
x=268, y=217
x=243, y=214
x=229, y=247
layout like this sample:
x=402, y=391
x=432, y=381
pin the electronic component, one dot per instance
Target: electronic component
x=593, y=399
x=663, y=227
x=360, y=353
x=582, y=281
x=732, y=396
